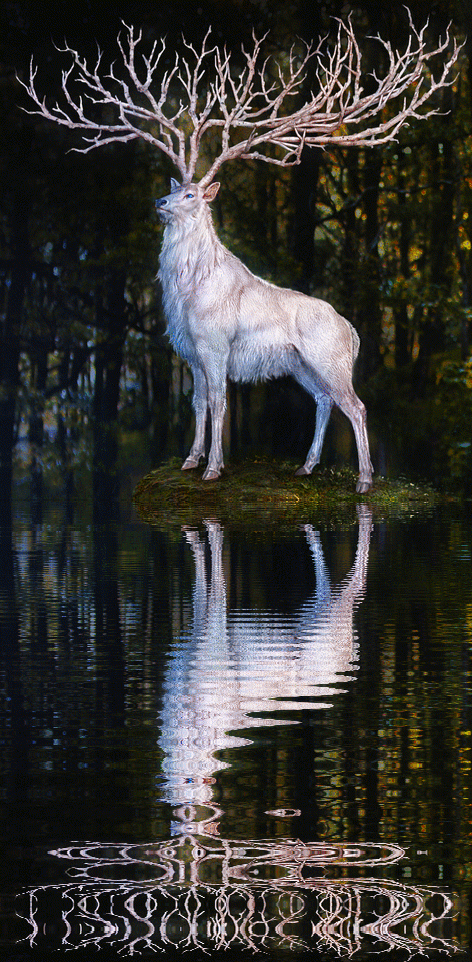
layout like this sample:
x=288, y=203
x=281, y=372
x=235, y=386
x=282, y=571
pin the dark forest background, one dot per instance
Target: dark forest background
x=384, y=234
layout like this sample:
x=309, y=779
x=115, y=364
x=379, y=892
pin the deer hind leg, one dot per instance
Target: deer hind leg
x=351, y=406
x=354, y=409
x=200, y=406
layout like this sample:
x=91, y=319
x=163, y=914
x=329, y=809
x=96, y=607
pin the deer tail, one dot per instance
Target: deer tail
x=356, y=342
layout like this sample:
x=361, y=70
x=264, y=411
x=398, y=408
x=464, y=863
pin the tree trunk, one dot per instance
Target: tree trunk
x=304, y=190
x=39, y=368
x=401, y=321
x=108, y=364
x=161, y=377
x=371, y=316
x=433, y=333
x=10, y=341
x=350, y=252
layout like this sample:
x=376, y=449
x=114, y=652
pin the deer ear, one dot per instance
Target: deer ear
x=174, y=185
x=211, y=191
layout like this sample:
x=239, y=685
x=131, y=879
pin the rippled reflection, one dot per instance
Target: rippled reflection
x=211, y=894
x=230, y=665
x=233, y=670
x=263, y=752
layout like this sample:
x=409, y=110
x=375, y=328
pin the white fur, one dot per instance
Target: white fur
x=226, y=322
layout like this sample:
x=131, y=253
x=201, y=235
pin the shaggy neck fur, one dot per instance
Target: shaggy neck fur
x=190, y=252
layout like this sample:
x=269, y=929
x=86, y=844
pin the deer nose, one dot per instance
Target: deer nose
x=161, y=202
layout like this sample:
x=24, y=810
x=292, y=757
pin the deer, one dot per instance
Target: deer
x=224, y=321
x=228, y=323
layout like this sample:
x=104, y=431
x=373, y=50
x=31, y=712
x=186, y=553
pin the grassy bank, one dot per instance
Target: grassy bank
x=270, y=490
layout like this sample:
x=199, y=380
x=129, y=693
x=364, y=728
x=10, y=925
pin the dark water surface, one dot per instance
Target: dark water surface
x=216, y=740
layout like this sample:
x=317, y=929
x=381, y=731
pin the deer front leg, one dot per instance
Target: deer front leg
x=323, y=411
x=200, y=406
x=216, y=380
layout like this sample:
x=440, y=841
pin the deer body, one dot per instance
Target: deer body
x=228, y=323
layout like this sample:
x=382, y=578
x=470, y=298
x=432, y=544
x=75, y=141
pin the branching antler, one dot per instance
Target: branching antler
x=203, y=93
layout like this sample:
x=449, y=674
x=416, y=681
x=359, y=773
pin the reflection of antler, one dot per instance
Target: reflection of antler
x=199, y=892
x=197, y=858
x=232, y=663
x=345, y=917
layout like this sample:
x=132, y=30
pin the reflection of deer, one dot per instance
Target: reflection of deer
x=232, y=663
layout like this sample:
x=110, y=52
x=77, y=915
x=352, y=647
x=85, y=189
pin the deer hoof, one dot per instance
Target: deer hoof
x=302, y=472
x=362, y=487
x=210, y=475
x=190, y=464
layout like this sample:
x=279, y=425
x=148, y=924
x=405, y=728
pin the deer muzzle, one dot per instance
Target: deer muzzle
x=162, y=209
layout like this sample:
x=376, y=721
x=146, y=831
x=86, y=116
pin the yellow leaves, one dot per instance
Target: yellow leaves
x=415, y=252
x=453, y=373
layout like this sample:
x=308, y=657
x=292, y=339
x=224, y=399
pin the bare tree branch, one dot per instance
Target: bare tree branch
x=203, y=93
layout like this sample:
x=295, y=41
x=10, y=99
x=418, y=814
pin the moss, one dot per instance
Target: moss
x=270, y=491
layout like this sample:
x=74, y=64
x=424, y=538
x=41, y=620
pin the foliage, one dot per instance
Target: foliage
x=454, y=417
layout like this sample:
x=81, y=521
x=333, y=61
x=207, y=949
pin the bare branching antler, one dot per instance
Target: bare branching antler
x=175, y=107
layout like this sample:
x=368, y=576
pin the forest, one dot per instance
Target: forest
x=383, y=233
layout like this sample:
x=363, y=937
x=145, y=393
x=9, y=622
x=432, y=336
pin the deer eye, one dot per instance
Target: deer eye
x=189, y=195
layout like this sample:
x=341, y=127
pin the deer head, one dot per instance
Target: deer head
x=184, y=200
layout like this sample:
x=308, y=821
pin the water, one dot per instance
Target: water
x=237, y=741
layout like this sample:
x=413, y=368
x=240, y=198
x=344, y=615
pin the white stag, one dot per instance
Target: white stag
x=224, y=321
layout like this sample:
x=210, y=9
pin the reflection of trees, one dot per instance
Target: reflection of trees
x=195, y=891
x=11, y=680
x=411, y=724
x=70, y=636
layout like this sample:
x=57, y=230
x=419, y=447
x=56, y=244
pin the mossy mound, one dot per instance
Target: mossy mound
x=271, y=491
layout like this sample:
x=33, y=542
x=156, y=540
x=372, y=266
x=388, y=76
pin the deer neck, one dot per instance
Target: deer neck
x=190, y=252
